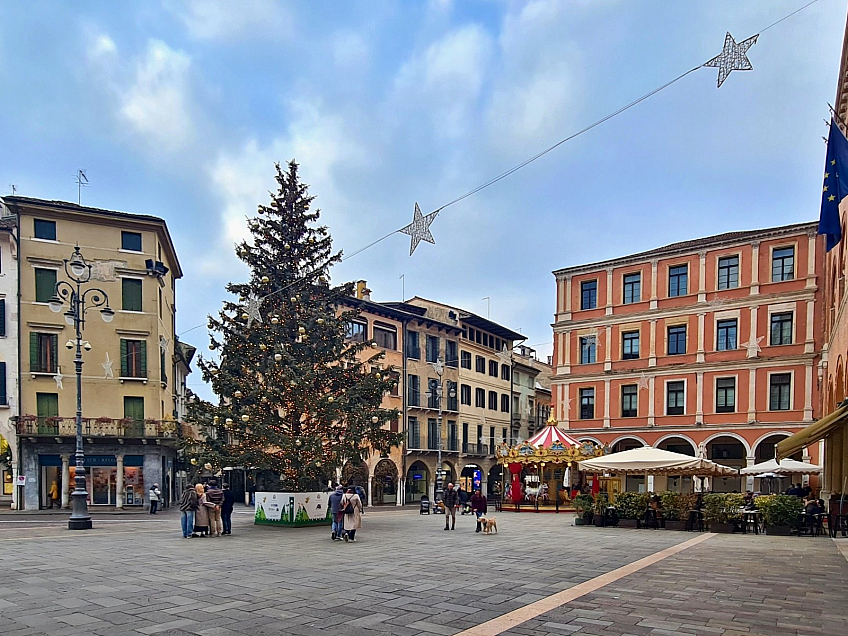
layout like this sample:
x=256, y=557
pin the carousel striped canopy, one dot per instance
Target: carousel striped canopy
x=551, y=434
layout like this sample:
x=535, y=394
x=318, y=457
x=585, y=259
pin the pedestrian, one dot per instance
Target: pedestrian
x=450, y=499
x=215, y=496
x=227, y=509
x=351, y=507
x=201, y=516
x=188, y=506
x=336, y=512
x=478, y=507
x=55, y=502
x=154, y=496
x=360, y=491
x=463, y=500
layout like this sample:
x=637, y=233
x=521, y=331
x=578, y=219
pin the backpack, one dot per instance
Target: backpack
x=348, y=507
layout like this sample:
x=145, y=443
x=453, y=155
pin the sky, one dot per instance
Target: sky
x=180, y=108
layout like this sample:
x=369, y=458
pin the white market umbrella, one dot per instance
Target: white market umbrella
x=654, y=461
x=785, y=467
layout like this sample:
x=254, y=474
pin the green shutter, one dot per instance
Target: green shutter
x=131, y=294
x=45, y=284
x=124, y=365
x=54, y=341
x=47, y=404
x=33, y=351
x=144, y=358
x=3, y=399
x=2, y=317
x=134, y=408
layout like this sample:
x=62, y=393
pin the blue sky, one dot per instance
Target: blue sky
x=179, y=109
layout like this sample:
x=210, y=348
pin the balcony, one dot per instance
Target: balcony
x=480, y=450
x=431, y=443
x=101, y=427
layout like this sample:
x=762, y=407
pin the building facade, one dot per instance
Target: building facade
x=8, y=361
x=707, y=347
x=131, y=393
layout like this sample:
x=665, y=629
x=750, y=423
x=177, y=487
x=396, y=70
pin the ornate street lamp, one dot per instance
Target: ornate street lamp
x=79, y=302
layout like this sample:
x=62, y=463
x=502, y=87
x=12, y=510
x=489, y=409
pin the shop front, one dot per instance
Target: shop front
x=102, y=479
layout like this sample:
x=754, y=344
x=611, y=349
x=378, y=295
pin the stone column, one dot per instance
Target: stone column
x=752, y=335
x=752, y=395
x=811, y=259
x=608, y=352
x=652, y=352
x=119, y=482
x=808, y=391
x=701, y=328
x=370, y=490
x=606, y=403
x=651, y=388
x=567, y=304
x=653, y=299
x=755, y=268
x=66, y=482
x=566, y=338
x=563, y=405
x=15, y=486
x=699, y=392
x=609, y=292
x=809, y=342
x=749, y=479
x=702, y=277
x=401, y=490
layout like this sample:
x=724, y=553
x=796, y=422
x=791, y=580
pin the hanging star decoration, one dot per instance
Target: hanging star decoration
x=644, y=382
x=163, y=344
x=438, y=366
x=753, y=346
x=107, y=367
x=419, y=229
x=505, y=355
x=733, y=57
x=253, y=303
x=59, y=377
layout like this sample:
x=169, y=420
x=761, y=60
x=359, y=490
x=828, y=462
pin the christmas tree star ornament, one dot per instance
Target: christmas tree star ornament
x=107, y=368
x=253, y=303
x=419, y=229
x=733, y=57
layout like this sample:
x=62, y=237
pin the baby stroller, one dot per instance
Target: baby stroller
x=425, y=505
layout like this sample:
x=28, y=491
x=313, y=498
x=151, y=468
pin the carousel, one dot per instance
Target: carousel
x=543, y=471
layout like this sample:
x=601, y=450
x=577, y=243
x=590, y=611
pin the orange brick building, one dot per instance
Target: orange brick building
x=706, y=346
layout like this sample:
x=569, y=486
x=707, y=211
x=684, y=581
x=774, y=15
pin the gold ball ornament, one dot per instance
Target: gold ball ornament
x=216, y=419
x=375, y=419
x=278, y=357
x=311, y=240
x=237, y=394
x=301, y=330
x=379, y=377
x=293, y=299
x=193, y=461
x=287, y=246
x=320, y=321
x=244, y=316
x=297, y=442
x=265, y=279
x=318, y=464
x=207, y=466
x=262, y=347
x=331, y=399
x=245, y=418
x=229, y=420
x=373, y=345
x=275, y=321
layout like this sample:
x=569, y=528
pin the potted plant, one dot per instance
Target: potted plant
x=599, y=508
x=672, y=510
x=723, y=510
x=780, y=513
x=583, y=505
x=631, y=507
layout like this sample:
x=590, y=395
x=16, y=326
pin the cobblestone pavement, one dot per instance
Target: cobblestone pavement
x=406, y=576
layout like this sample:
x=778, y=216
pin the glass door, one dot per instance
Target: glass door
x=103, y=489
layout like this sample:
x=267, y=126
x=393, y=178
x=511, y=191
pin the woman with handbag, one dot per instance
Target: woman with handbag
x=351, y=506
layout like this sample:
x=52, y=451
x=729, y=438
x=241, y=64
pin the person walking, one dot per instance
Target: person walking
x=478, y=507
x=338, y=515
x=215, y=496
x=201, y=515
x=154, y=495
x=54, y=495
x=450, y=499
x=188, y=506
x=351, y=507
x=227, y=509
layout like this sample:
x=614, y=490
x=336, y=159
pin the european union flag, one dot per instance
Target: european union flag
x=835, y=188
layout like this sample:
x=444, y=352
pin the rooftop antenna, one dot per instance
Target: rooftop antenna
x=14, y=188
x=403, y=287
x=82, y=182
x=488, y=301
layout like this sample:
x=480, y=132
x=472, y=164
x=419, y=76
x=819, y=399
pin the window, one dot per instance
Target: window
x=131, y=241
x=632, y=288
x=493, y=368
x=465, y=359
x=480, y=398
x=432, y=348
x=725, y=395
x=779, y=391
x=588, y=294
x=493, y=401
x=630, y=345
x=629, y=400
x=43, y=352
x=515, y=404
x=725, y=335
x=452, y=397
x=781, y=329
x=505, y=372
x=480, y=361
x=45, y=284
x=133, y=358
x=131, y=294
x=728, y=272
x=504, y=403
x=414, y=388
x=587, y=350
x=677, y=340
x=412, y=348
x=465, y=394
x=3, y=397
x=675, y=398
x=44, y=229
x=517, y=378
x=678, y=280
x=587, y=404
x=134, y=408
x=414, y=432
x=453, y=442
x=783, y=264
x=451, y=358
x=385, y=336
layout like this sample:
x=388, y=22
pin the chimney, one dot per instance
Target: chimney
x=362, y=291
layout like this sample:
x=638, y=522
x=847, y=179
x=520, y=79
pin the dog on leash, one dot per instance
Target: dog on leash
x=490, y=525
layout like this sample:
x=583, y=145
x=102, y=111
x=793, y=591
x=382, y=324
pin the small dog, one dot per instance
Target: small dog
x=490, y=525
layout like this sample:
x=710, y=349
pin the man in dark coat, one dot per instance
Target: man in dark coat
x=478, y=507
x=338, y=515
x=227, y=509
x=450, y=498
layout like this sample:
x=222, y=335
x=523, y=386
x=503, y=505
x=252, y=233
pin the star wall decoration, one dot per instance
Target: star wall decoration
x=644, y=382
x=753, y=346
x=438, y=366
x=253, y=303
x=733, y=57
x=419, y=229
x=59, y=377
x=107, y=367
x=505, y=355
x=717, y=303
x=163, y=344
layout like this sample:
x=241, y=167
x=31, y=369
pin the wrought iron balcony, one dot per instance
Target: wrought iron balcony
x=475, y=449
x=35, y=426
x=431, y=443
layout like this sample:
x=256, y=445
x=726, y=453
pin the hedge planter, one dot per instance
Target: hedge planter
x=580, y=521
x=779, y=531
x=599, y=521
x=721, y=528
x=674, y=525
x=292, y=509
x=628, y=523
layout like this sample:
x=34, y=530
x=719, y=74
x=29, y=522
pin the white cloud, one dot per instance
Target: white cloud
x=157, y=103
x=229, y=20
x=350, y=50
x=101, y=46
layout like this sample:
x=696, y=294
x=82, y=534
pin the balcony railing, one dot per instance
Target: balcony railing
x=475, y=449
x=431, y=443
x=98, y=427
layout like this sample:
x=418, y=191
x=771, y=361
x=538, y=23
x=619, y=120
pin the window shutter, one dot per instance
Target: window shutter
x=2, y=317
x=3, y=399
x=54, y=341
x=33, y=351
x=144, y=358
x=124, y=365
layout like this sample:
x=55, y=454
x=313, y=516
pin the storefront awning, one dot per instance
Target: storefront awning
x=812, y=433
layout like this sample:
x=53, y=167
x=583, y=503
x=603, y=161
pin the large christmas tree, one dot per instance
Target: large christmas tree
x=295, y=395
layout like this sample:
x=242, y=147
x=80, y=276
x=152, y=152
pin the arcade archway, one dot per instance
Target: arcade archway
x=384, y=485
x=417, y=482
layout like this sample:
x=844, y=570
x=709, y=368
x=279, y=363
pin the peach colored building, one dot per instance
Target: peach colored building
x=705, y=346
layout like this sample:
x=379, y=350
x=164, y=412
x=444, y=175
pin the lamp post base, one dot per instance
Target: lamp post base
x=79, y=519
x=79, y=524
